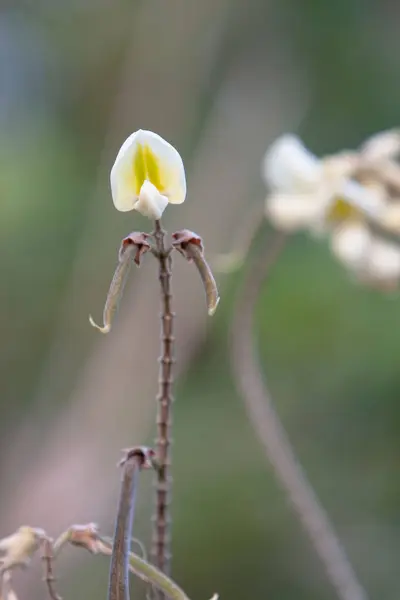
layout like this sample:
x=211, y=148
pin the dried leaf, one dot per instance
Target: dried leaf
x=190, y=245
x=133, y=246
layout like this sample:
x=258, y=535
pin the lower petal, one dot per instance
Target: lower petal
x=151, y=203
x=384, y=260
x=350, y=243
x=291, y=212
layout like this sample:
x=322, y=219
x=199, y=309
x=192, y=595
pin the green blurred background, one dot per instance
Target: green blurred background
x=220, y=79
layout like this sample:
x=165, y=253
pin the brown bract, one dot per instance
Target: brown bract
x=145, y=455
x=182, y=239
x=138, y=239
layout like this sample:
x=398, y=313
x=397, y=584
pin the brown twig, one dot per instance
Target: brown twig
x=48, y=576
x=118, y=588
x=160, y=548
x=271, y=433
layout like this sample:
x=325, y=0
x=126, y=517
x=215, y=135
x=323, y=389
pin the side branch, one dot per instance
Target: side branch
x=118, y=588
x=48, y=558
x=272, y=435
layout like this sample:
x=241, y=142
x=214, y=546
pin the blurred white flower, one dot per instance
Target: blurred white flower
x=344, y=195
x=18, y=548
x=148, y=173
x=308, y=192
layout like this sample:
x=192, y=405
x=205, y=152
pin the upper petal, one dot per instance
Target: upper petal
x=147, y=156
x=385, y=144
x=289, y=167
x=348, y=199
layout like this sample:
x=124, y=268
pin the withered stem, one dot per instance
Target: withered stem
x=160, y=548
x=271, y=433
x=48, y=558
x=118, y=588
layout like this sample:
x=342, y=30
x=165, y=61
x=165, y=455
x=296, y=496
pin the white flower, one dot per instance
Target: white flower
x=341, y=195
x=308, y=192
x=18, y=548
x=148, y=173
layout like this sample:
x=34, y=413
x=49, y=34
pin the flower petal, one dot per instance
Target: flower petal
x=147, y=156
x=366, y=199
x=289, y=167
x=350, y=243
x=151, y=203
x=348, y=200
x=292, y=211
x=390, y=217
x=339, y=166
x=385, y=144
x=384, y=260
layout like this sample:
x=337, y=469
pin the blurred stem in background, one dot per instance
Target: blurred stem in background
x=270, y=430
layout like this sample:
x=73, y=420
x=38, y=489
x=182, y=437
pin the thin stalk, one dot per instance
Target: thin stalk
x=118, y=588
x=149, y=573
x=48, y=558
x=161, y=541
x=271, y=433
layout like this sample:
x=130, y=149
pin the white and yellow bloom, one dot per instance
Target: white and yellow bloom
x=148, y=173
x=312, y=193
x=341, y=195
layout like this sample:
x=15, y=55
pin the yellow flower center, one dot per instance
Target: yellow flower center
x=146, y=166
x=341, y=211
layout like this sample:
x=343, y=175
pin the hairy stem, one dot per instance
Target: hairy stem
x=118, y=588
x=160, y=549
x=272, y=435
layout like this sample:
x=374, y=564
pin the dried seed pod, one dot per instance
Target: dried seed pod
x=190, y=245
x=132, y=247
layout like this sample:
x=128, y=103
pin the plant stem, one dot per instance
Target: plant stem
x=47, y=558
x=149, y=573
x=272, y=435
x=160, y=550
x=118, y=588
